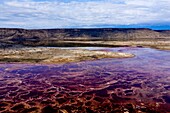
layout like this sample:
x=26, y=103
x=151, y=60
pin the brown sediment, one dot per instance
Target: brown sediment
x=52, y=90
x=55, y=55
x=157, y=44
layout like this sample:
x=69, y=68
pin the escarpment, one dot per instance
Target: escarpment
x=35, y=37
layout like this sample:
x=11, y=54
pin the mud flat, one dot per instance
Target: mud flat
x=55, y=55
x=157, y=44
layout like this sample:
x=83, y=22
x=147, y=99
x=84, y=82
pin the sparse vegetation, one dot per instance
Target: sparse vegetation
x=54, y=55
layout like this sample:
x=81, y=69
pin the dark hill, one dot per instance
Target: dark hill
x=47, y=36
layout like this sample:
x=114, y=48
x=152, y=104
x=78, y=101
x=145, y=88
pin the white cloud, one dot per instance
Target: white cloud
x=48, y=14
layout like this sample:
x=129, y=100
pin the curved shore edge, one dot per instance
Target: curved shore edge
x=56, y=55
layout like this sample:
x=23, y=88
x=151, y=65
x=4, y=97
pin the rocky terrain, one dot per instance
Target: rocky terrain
x=67, y=37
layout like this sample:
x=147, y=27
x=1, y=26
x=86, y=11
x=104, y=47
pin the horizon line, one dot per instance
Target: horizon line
x=86, y=28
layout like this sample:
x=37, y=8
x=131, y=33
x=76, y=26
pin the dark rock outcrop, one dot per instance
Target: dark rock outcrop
x=48, y=36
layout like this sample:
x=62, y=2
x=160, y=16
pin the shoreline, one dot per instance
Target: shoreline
x=55, y=55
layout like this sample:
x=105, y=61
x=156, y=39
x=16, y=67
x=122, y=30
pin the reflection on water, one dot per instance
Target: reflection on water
x=139, y=84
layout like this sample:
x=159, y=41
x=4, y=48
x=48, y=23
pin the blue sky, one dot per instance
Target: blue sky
x=35, y=14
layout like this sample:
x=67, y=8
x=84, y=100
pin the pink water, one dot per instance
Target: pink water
x=134, y=84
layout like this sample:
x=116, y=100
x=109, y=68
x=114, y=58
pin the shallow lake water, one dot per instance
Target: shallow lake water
x=138, y=84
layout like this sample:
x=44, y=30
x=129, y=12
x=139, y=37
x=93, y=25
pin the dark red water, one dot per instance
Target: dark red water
x=132, y=85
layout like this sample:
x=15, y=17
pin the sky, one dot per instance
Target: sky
x=40, y=14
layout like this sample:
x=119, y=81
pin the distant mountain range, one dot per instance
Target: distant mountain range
x=47, y=36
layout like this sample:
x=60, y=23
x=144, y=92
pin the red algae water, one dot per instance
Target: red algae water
x=131, y=85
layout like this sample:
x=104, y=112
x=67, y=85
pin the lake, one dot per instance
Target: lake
x=138, y=84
